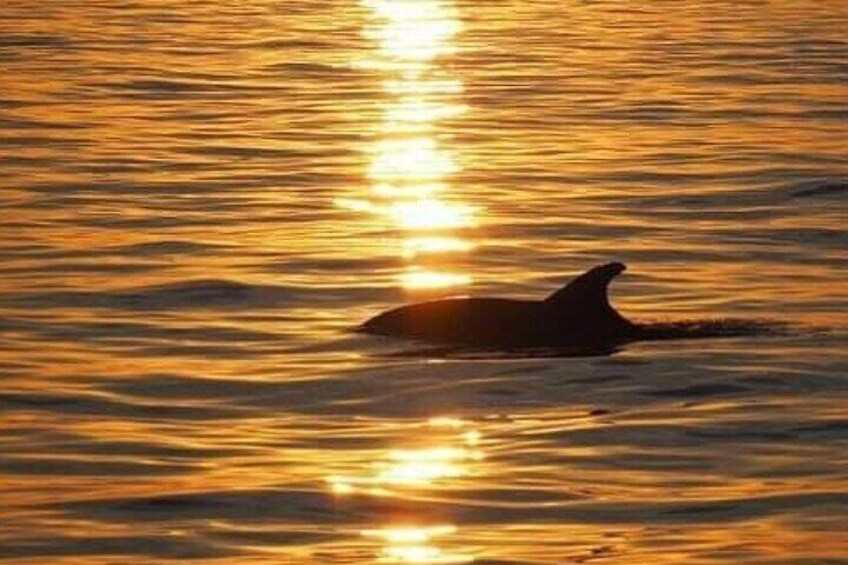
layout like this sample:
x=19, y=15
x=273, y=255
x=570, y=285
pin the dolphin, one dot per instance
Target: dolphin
x=575, y=318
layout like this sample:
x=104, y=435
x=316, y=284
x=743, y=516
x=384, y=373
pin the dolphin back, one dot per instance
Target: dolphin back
x=577, y=319
x=492, y=321
x=585, y=300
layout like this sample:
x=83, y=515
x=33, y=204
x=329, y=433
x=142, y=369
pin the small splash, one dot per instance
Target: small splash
x=716, y=328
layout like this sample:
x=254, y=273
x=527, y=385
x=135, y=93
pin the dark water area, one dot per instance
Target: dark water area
x=201, y=201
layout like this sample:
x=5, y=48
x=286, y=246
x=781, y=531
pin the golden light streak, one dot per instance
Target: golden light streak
x=415, y=246
x=431, y=214
x=446, y=422
x=423, y=86
x=409, y=168
x=421, y=554
x=411, y=534
x=413, y=544
x=449, y=451
x=416, y=31
x=415, y=112
x=472, y=437
x=339, y=485
x=423, y=214
x=415, y=158
x=422, y=279
x=450, y=457
x=416, y=467
x=407, y=191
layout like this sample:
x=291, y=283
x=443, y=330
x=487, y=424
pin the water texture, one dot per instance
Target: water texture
x=201, y=199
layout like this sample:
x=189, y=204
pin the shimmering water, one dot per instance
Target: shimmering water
x=199, y=199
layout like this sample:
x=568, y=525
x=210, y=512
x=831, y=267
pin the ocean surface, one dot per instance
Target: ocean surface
x=200, y=200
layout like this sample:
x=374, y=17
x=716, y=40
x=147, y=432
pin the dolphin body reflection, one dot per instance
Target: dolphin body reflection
x=577, y=319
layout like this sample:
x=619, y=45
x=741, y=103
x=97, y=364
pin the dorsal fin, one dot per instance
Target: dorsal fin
x=587, y=294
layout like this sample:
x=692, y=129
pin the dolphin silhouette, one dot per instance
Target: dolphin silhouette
x=577, y=318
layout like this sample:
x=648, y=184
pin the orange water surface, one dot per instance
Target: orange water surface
x=201, y=199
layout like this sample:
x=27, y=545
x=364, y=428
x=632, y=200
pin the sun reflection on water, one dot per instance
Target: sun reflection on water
x=423, y=466
x=445, y=449
x=413, y=246
x=414, y=544
x=426, y=279
x=415, y=30
x=409, y=166
x=445, y=455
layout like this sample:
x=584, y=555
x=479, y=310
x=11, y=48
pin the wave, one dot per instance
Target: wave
x=195, y=294
x=820, y=187
x=309, y=505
